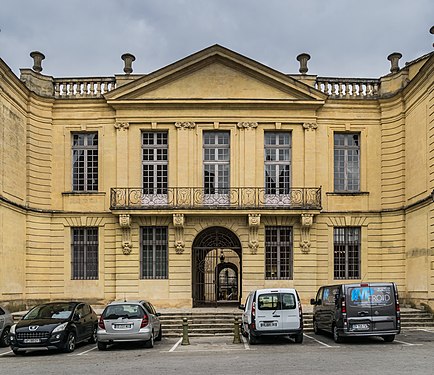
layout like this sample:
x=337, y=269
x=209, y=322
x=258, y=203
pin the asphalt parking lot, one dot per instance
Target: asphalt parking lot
x=411, y=351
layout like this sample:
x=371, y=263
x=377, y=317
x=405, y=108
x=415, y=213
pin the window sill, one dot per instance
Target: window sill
x=101, y=193
x=347, y=193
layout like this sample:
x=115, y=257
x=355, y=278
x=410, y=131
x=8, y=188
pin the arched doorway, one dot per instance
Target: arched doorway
x=216, y=267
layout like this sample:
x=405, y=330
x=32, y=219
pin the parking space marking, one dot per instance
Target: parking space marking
x=320, y=342
x=246, y=344
x=87, y=351
x=173, y=348
x=10, y=351
x=407, y=343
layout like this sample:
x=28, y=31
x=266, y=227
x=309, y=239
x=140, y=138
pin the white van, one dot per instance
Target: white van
x=272, y=312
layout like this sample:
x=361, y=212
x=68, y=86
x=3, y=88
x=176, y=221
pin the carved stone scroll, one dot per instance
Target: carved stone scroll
x=122, y=126
x=306, y=223
x=178, y=222
x=125, y=223
x=247, y=125
x=254, y=222
x=185, y=125
x=310, y=126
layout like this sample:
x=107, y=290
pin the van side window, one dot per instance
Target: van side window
x=288, y=301
x=329, y=296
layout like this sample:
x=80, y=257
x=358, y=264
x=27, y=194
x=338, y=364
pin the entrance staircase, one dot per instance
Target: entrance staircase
x=218, y=322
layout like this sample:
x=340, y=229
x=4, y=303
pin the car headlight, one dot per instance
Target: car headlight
x=12, y=330
x=60, y=327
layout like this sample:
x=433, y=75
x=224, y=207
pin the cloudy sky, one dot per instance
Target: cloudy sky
x=345, y=38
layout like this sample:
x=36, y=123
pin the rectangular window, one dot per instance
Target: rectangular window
x=347, y=162
x=216, y=162
x=85, y=161
x=155, y=162
x=278, y=253
x=154, y=260
x=277, y=162
x=84, y=257
x=346, y=253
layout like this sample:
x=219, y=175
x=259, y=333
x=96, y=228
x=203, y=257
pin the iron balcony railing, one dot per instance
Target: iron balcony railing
x=216, y=198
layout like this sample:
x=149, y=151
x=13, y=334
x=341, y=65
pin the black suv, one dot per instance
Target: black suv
x=57, y=325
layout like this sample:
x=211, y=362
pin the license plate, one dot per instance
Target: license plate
x=360, y=327
x=269, y=324
x=122, y=326
x=32, y=341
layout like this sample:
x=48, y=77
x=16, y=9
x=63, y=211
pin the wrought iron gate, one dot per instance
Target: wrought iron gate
x=216, y=267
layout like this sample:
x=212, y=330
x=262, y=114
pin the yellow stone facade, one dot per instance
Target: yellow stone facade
x=214, y=90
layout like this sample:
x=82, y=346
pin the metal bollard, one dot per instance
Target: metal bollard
x=185, y=340
x=237, y=339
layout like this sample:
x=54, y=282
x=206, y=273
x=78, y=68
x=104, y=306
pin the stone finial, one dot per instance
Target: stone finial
x=394, y=61
x=37, y=60
x=432, y=32
x=303, y=58
x=128, y=62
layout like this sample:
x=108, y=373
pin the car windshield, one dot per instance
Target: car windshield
x=51, y=311
x=123, y=311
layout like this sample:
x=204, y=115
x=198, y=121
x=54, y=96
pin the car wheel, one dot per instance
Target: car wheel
x=17, y=352
x=336, y=336
x=92, y=339
x=298, y=338
x=150, y=342
x=252, y=339
x=4, y=339
x=102, y=345
x=389, y=338
x=70, y=343
x=160, y=334
x=316, y=330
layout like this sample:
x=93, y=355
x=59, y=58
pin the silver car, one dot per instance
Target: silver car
x=6, y=322
x=126, y=321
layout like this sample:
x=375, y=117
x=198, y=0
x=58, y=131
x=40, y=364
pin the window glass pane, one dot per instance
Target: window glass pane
x=347, y=252
x=84, y=257
x=85, y=161
x=154, y=259
x=277, y=162
x=278, y=252
x=346, y=162
x=155, y=162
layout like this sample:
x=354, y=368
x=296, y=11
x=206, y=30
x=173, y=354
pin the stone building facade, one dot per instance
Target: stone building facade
x=212, y=176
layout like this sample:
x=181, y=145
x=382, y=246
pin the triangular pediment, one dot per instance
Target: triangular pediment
x=215, y=73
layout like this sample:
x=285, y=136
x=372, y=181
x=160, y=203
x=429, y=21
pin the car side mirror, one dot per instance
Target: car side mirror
x=241, y=307
x=157, y=314
x=313, y=301
x=77, y=316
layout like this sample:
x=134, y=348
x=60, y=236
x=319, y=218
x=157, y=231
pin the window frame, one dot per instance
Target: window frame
x=151, y=253
x=220, y=183
x=342, y=250
x=81, y=269
x=285, y=248
x=160, y=166
x=278, y=164
x=80, y=181
x=341, y=175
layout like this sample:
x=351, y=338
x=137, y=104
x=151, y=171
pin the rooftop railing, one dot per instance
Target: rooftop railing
x=92, y=87
x=348, y=88
x=215, y=199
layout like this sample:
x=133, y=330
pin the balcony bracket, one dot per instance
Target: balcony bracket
x=254, y=222
x=178, y=223
x=125, y=223
x=306, y=224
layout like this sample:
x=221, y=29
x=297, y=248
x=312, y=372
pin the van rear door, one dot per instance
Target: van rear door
x=290, y=311
x=358, y=305
x=268, y=311
x=371, y=307
x=383, y=306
